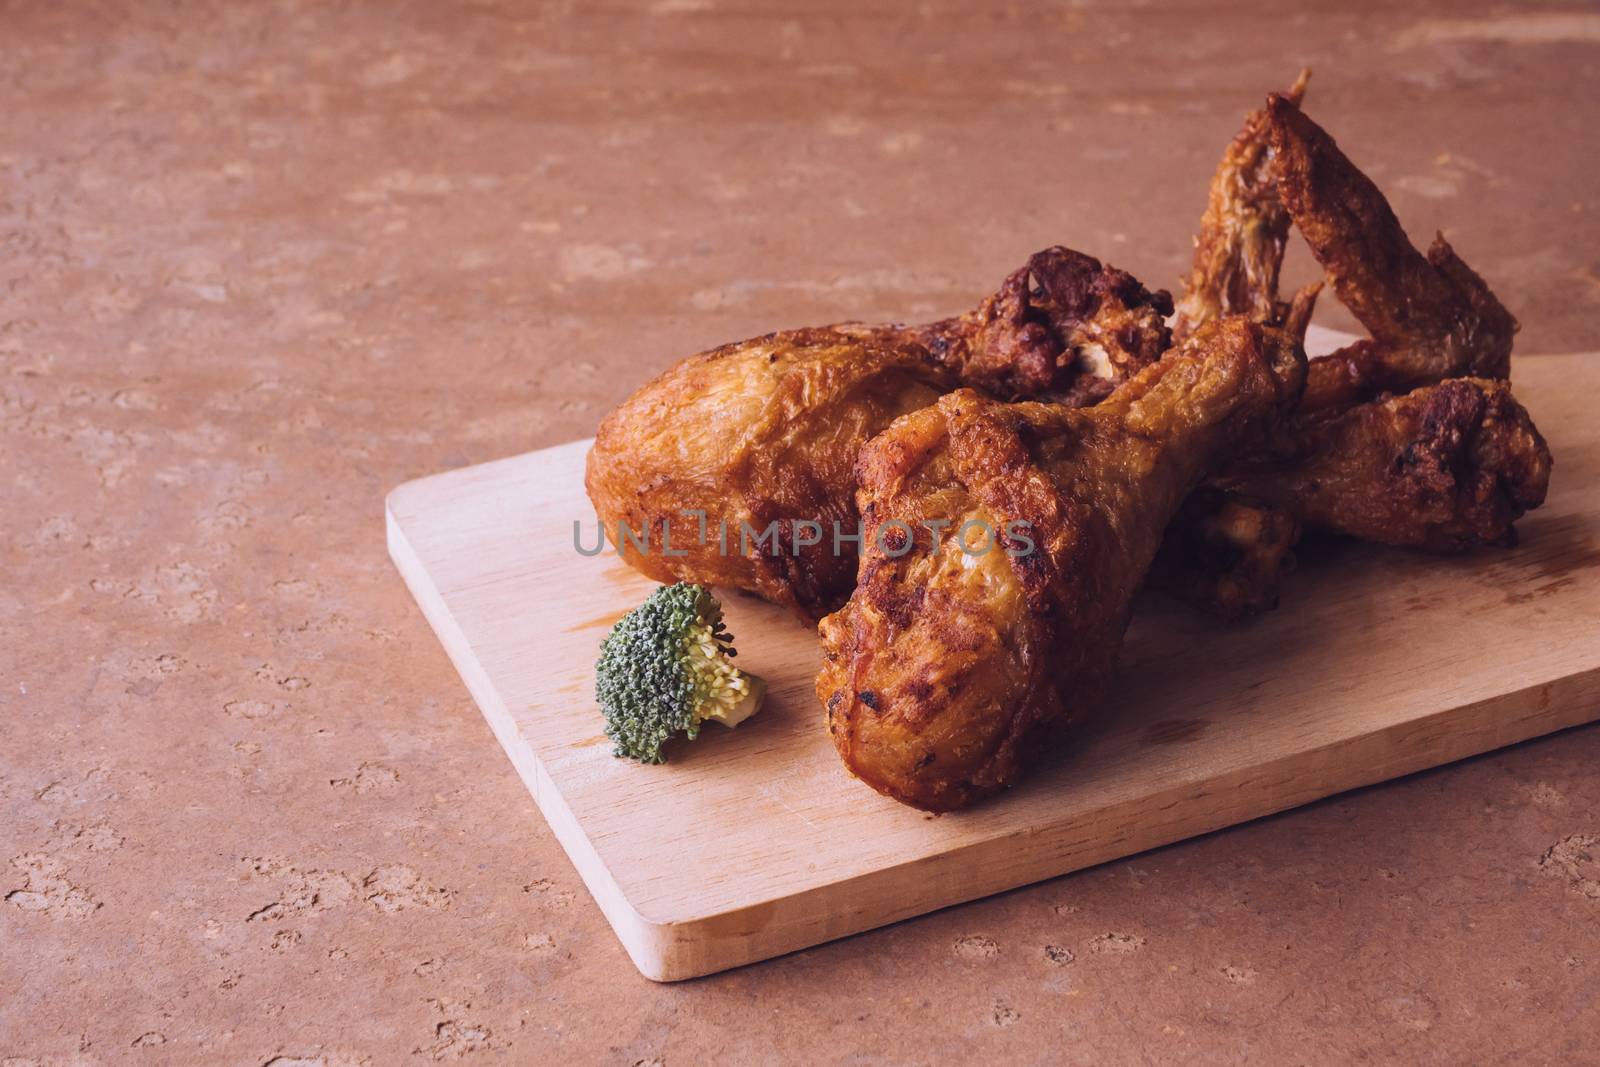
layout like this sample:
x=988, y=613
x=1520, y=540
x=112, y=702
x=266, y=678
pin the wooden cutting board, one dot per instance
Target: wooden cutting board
x=755, y=842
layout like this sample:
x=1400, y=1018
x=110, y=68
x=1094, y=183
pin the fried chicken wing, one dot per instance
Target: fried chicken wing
x=956, y=659
x=734, y=467
x=1431, y=318
x=1239, y=250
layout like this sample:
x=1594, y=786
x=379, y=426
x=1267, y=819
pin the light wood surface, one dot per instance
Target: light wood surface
x=755, y=842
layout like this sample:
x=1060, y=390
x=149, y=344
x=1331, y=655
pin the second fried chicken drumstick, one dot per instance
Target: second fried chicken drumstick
x=955, y=661
x=762, y=435
x=1431, y=319
x=1442, y=468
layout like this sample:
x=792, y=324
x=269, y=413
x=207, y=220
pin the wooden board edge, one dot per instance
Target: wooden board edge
x=705, y=945
x=668, y=949
x=647, y=943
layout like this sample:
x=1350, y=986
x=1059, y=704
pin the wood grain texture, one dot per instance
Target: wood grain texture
x=755, y=842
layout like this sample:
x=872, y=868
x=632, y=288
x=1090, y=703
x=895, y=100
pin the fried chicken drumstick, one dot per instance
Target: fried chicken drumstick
x=951, y=666
x=1443, y=468
x=762, y=435
x=1353, y=461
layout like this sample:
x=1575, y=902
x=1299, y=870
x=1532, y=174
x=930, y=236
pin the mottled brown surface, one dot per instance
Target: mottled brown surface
x=259, y=264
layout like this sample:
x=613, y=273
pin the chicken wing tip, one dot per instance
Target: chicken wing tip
x=1297, y=91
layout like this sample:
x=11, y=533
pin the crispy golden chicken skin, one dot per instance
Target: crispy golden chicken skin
x=1223, y=553
x=701, y=461
x=1003, y=544
x=1444, y=468
x=734, y=466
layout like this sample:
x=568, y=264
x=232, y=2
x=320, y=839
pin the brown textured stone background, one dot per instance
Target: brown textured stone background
x=261, y=262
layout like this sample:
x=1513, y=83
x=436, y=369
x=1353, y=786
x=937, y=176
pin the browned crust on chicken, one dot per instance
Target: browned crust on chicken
x=1065, y=327
x=1431, y=317
x=764, y=431
x=946, y=672
x=1446, y=467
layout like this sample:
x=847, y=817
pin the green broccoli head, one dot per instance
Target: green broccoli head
x=665, y=668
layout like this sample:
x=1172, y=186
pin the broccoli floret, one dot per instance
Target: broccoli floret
x=665, y=668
